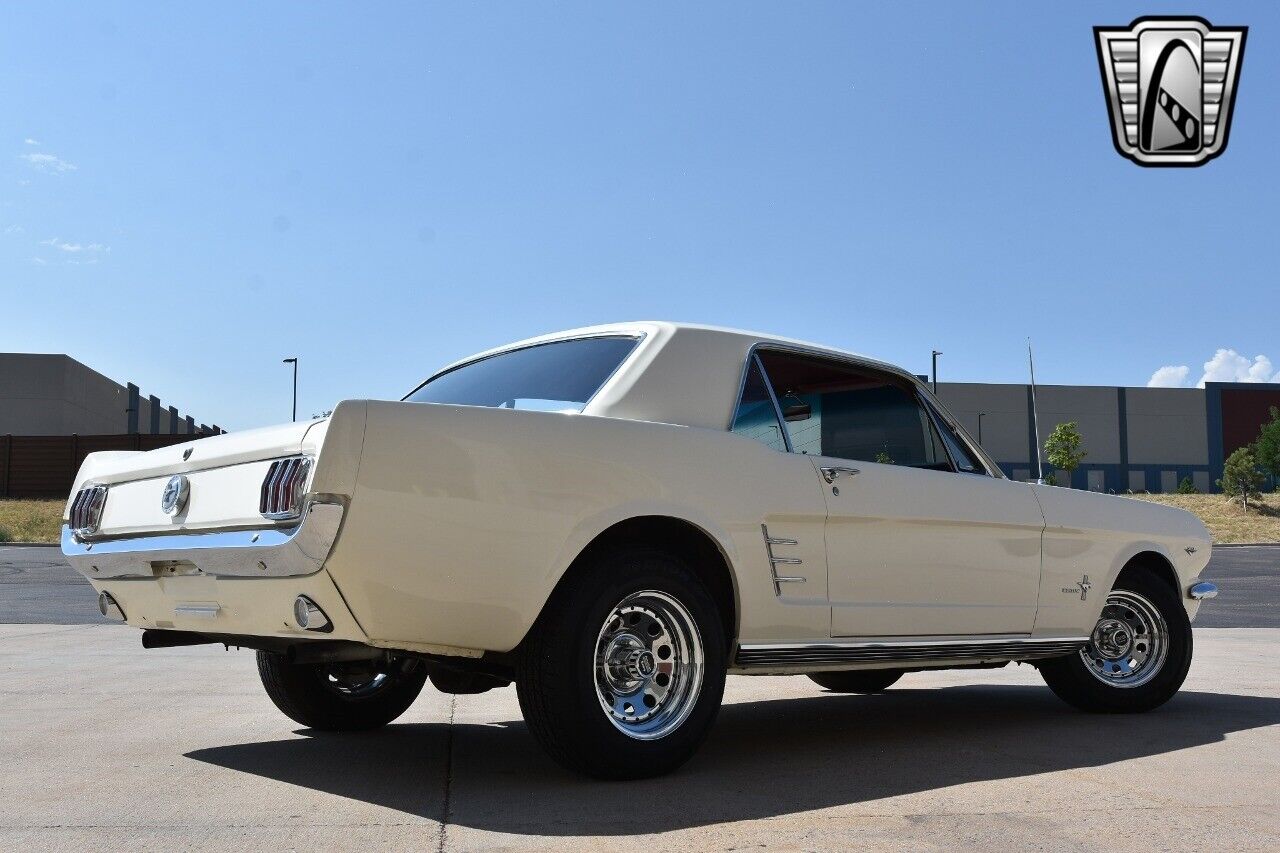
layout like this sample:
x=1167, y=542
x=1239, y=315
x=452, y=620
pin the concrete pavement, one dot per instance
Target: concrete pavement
x=106, y=746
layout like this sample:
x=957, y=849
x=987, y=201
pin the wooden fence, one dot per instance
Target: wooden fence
x=44, y=466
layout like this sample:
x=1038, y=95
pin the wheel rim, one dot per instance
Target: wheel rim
x=648, y=665
x=1130, y=642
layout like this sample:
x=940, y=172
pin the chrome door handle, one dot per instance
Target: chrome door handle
x=830, y=473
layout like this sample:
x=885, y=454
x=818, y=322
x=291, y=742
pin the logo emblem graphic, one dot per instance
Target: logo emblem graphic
x=1082, y=586
x=1170, y=85
x=174, y=496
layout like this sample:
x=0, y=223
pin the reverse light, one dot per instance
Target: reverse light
x=284, y=487
x=309, y=617
x=109, y=607
x=86, y=510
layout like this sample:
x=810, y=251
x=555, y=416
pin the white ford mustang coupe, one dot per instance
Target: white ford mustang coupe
x=616, y=518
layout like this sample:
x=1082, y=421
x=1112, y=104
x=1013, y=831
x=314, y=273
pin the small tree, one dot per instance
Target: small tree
x=1063, y=448
x=1240, y=476
x=1187, y=487
x=1267, y=447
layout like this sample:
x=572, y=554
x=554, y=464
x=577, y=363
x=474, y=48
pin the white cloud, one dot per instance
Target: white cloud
x=14, y=229
x=31, y=141
x=48, y=163
x=1169, y=376
x=1227, y=365
x=75, y=248
x=39, y=261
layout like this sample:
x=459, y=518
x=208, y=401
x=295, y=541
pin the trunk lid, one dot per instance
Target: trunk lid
x=224, y=478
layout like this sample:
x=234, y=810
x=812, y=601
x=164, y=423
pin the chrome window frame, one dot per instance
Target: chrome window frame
x=637, y=338
x=932, y=407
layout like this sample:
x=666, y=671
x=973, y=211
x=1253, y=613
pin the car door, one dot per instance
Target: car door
x=921, y=539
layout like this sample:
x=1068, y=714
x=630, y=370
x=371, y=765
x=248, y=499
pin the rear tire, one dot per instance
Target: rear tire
x=342, y=696
x=858, y=680
x=622, y=676
x=1138, y=655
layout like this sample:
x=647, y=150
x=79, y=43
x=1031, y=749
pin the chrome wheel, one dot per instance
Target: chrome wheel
x=1130, y=642
x=649, y=665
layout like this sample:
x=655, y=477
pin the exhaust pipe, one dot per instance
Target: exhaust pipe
x=335, y=651
x=158, y=638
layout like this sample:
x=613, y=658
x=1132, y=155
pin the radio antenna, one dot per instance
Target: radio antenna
x=1035, y=417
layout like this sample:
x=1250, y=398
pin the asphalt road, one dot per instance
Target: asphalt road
x=38, y=587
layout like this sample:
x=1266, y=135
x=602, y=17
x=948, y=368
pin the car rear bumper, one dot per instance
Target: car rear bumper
x=268, y=552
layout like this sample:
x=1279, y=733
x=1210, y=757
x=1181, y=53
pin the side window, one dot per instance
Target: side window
x=838, y=410
x=965, y=460
x=756, y=417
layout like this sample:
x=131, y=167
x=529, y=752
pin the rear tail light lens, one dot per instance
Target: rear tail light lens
x=86, y=510
x=284, y=487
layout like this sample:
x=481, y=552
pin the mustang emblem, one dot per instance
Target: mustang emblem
x=1082, y=586
x=174, y=497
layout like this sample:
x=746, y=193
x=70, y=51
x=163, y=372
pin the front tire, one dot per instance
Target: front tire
x=857, y=681
x=1137, y=656
x=622, y=676
x=355, y=696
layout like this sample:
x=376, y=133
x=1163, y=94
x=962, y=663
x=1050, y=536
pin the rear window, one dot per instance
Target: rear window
x=561, y=376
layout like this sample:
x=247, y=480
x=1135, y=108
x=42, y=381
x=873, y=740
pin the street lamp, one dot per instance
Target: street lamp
x=935, y=371
x=981, y=415
x=294, y=362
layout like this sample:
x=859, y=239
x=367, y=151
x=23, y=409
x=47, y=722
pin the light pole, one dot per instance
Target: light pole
x=294, y=362
x=981, y=415
x=935, y=371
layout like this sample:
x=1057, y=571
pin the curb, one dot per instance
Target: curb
x=1246, y=545
x=29, y=544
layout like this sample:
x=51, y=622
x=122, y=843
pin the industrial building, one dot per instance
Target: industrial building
x=46, y=394
x=1137, y=439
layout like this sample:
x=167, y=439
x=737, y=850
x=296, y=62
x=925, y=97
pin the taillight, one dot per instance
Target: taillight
x=86, y=509
x=284, y=487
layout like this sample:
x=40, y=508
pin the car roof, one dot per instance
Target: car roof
x=679, y=373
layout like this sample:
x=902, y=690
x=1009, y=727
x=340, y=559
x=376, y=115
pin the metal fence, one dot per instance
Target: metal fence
x=44, y=466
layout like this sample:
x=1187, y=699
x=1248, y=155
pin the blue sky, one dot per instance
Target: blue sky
x=381, y=189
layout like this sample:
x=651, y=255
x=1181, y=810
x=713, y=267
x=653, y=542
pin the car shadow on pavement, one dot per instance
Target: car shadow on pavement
x=763, y=759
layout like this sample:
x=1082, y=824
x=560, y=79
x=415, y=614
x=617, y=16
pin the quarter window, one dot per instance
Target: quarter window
x=847, y=412
x=756, y=417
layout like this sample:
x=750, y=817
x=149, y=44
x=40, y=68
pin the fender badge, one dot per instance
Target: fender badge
x=1082, y=586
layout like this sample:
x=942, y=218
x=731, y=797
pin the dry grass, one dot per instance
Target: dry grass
x=30, y=521
x=1227, y=520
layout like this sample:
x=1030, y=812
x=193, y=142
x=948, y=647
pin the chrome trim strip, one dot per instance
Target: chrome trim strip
x=197, y=611
x=265, y=552
x=774, y=562
x=1203, y=590
x=995, y=648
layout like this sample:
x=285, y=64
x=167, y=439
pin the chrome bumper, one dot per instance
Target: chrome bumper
x=262, y=553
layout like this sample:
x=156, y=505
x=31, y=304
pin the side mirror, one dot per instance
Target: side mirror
x=798, y=411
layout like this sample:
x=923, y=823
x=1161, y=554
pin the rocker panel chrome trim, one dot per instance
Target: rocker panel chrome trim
x=995, y=648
